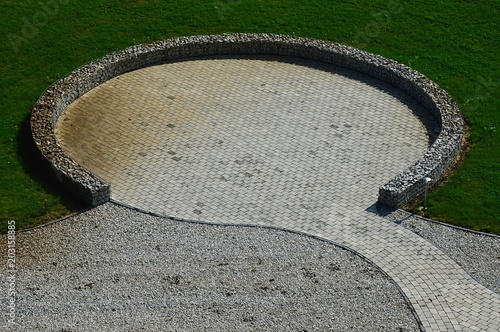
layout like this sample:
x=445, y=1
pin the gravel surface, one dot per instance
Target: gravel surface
x=477, y=254
x=115, y=269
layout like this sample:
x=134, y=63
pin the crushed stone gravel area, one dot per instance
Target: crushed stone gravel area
x=478, y=254
x=116, y=269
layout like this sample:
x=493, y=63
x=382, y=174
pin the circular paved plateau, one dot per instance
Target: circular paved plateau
x=277, y=141
x=260, y=140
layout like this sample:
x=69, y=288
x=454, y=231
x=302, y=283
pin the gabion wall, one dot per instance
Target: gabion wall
x=396, y=192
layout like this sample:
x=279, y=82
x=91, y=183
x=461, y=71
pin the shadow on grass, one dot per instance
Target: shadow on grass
x=40, y=170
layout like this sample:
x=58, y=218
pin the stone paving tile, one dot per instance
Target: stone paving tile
x=274, y=141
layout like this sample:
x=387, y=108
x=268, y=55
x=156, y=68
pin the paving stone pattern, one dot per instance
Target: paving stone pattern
x=274, y=141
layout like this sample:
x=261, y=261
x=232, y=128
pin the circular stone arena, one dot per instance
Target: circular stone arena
x=290, y=133
x=262, y=140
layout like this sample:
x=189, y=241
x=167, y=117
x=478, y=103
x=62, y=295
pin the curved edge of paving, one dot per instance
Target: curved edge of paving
x=403, y=188
x=295, y=231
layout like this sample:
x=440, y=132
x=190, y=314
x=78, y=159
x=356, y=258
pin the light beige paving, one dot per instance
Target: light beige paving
x=274, y=141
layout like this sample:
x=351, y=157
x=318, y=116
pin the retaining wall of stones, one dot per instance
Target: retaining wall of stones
x=399, y=190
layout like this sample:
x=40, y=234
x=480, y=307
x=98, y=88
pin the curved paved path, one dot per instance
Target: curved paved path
x=274, y=141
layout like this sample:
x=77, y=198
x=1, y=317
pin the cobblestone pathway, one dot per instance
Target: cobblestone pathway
x=274, y=141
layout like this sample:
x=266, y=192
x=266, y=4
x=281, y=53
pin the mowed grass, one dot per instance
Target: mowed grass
x=455, y=43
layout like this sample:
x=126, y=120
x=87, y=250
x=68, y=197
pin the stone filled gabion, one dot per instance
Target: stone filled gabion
x=400, y=190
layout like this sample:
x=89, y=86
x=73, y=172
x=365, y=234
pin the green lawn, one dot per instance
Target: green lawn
x=453, y=42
